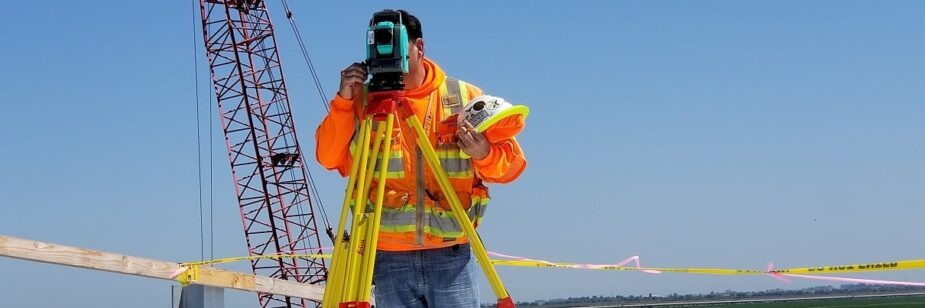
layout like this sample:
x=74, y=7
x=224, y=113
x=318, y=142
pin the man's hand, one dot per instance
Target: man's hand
x=351, y=79
x=472, y=142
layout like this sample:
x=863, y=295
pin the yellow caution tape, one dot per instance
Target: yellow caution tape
x=191, y=274
x=851, y=268
x=835, y=269
x=712, y=271
x=856, y=268
x=238, y=259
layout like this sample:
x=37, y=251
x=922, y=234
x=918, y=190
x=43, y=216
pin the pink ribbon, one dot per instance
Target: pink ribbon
x=580, y=266
x=777, y=276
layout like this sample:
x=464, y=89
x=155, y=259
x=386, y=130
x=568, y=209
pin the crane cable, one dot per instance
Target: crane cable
x=202, y=240
x=305, y=55
x=198, y=133
x=324, y=100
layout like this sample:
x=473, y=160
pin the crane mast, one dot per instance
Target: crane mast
x=270, y=179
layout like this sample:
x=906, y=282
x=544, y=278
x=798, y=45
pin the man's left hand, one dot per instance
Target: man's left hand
x=472, y=142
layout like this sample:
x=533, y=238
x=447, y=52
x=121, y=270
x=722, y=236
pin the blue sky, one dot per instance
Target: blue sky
x=708, y=134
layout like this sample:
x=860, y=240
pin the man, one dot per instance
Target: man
x=423, y=258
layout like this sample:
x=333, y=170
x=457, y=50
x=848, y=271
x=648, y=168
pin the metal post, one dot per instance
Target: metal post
x=198, y=296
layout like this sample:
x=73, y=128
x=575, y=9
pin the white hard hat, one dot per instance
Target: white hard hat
x=486, y=110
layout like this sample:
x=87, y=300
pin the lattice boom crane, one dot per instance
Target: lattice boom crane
x=271, y=181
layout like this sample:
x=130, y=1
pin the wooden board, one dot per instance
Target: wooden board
x=111, y=262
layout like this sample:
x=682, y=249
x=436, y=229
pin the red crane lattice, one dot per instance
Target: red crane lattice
x=266, y=161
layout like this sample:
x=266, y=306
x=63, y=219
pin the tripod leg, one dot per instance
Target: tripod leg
x=335, y=283
x=458, y=211
x=359, y=246
x=372, y=238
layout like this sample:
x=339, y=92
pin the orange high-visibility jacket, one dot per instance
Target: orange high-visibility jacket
x=406, y=225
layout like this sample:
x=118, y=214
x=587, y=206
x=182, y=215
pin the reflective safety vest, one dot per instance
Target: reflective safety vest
x=416, y=214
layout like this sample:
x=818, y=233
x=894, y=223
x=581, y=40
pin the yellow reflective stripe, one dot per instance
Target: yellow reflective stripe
x=396, y=163
x=391, y=174
x=477, y=209
x=440, y=222
x=463, y=92
x=449, y=152
x=454, y=164
x=399, y=228
x=410, y=208
x=443, y=86
x=453, y=160
x=480, y=200
x=460, y=174
x=443, y=233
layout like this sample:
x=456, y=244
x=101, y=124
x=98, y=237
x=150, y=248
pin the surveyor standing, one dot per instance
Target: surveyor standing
x=423, y=258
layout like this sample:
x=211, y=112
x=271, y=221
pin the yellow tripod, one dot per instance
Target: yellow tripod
x=349, y=282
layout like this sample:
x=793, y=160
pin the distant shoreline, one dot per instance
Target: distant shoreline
x=831, y=296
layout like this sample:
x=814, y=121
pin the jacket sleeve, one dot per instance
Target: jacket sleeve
x=332, y=138
x=505, y=161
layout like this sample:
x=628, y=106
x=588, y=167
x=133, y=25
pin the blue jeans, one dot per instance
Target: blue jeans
x=443, y=277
